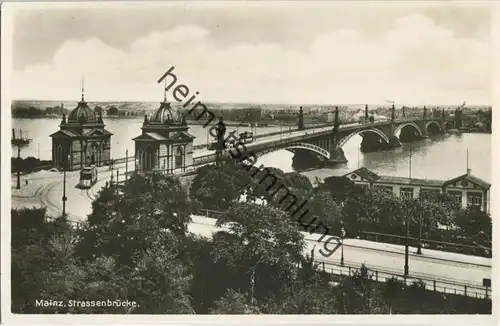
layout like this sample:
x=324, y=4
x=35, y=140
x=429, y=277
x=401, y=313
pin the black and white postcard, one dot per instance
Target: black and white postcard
x=255, y=161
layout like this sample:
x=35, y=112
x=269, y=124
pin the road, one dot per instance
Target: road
x=387, y=259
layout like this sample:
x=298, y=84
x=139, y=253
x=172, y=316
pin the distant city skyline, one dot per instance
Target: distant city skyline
x=260, y=53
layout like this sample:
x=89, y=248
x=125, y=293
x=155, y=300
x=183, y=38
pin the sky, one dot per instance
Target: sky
x=288, y=52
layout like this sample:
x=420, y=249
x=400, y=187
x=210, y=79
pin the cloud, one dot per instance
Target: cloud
x=415, y=62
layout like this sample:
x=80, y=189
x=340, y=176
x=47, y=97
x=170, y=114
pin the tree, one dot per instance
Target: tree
x=297, y=180
x=359, y=295
x=158, y=282
x=262, y=243
x=44, y=266
x=218, y=187
x=475, y=225
x=310, y=292
x=210, y=278
x=98, y=110
x=112, y=111
x=340, y=187
x=125, y=225
x=326, y=210
x=233, y=303
x=376, y=211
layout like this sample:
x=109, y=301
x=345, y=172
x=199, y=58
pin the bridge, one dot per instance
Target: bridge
x=327, y=141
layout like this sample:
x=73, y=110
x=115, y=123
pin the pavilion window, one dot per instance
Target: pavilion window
x=457, y=195
x=474, y=199
x=406, y=193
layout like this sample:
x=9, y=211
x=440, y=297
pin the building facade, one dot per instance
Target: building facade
x=165, y=144
x=82, y=140
x=467, y=189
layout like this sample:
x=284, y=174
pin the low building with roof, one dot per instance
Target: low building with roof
x=165, y=144
x=82, y=140
x=467, y=189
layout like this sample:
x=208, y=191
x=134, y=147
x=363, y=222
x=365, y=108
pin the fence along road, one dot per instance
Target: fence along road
x=459, y=273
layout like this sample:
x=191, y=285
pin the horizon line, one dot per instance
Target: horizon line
x=381, y=104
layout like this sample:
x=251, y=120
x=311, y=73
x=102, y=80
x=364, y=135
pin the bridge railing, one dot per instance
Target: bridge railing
x=309, y=130
x=379, y=274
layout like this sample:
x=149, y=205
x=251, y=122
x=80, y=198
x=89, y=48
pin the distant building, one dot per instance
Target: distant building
x=82, y=139
x=467, y=189
x=165, y=144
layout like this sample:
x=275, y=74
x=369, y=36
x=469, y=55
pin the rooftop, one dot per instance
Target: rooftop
x=371, y=176
x=410, y=181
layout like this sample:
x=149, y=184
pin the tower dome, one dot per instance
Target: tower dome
x=165, y=113
x=82, y=113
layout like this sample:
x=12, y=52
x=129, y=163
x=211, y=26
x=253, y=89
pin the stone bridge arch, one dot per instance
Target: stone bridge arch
x=408, y=124
x=299, y=145
x=435, y=123
x=362, y=131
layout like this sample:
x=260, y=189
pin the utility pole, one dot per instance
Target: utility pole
x=126, y=164
x=64, y=198
x=407, y=244
x=18, y=185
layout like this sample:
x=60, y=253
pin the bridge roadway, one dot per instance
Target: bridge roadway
x=205, y=156
x=450, y=270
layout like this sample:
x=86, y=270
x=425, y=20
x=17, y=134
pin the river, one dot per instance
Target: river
x=439, y=157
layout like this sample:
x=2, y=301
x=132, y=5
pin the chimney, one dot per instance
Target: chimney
x=468, y=171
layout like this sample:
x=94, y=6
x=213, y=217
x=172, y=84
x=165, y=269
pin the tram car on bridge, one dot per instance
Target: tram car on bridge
x=88, y=177
x=246, y=137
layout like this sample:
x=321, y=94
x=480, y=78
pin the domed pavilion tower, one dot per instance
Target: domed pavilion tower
x=82, y=139
x=165, y=144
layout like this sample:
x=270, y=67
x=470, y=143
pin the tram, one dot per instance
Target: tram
x=246, y=137
x=88, y=177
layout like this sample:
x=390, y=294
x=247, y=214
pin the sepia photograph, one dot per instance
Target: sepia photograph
x=248, y=158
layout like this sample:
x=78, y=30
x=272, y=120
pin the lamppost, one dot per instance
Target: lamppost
x=407, y=245
x=342, y=234
x=111, y=179
x=126, y=164
x=419, y=248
